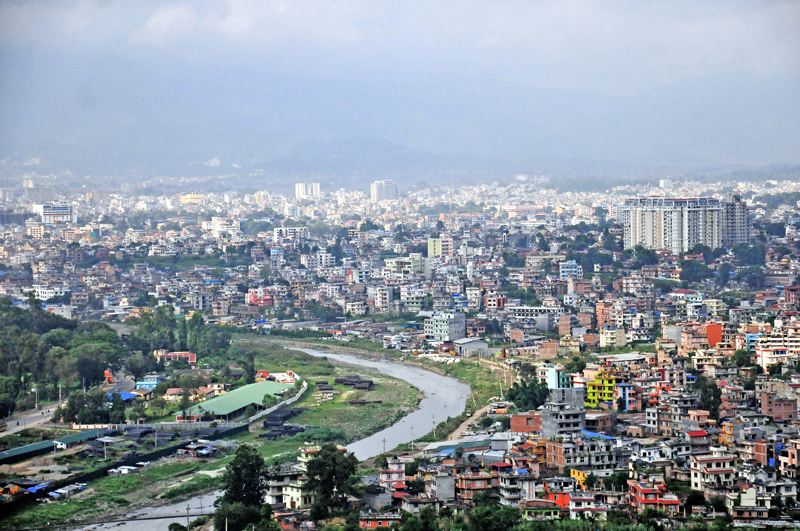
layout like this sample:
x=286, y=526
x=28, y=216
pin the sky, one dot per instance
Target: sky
x=107, y=87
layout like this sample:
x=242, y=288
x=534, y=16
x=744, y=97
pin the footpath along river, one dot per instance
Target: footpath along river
x=444, y=396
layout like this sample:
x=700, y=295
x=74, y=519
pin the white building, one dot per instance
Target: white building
x=306, y=191
x=674, y=224
x=56, y=212
x=446, y=326
x=382, y=190
x=570, y=268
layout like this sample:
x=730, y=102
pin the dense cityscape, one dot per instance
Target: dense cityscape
x=630, y=355
x=346, y=265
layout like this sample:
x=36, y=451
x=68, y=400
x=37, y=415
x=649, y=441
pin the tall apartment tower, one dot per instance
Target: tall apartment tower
x=380, y=190
x=735, y=220
x=306, y=191
x=674, y=224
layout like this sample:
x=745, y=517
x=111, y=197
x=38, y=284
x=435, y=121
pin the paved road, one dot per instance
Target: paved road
x=29, y=419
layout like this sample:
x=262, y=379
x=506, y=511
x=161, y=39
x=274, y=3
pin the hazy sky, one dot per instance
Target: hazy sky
x=604, y=48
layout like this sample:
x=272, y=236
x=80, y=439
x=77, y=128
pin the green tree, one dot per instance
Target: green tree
x=117, y=413
x=591, y=481
x=710, y=395
x=332, y=476
x=742, y=358
x=244, y=479
x=236, y=516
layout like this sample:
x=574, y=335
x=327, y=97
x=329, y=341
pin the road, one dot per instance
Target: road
x=465, y=425
x=35, y=419
x=29, y=419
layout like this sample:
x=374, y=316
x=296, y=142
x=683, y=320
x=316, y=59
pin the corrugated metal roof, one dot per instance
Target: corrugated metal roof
x=80, y=437
x=238, y=398
x=28, y=448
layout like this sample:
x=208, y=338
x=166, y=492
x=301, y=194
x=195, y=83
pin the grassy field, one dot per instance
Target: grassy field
x=273, y=357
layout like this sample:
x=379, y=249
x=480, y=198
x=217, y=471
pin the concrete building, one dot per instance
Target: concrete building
x=306, y=191
x=735, y=221
x=564, y=413
x=56, y=212
x=671, y=223
x=446, y=326
x=570, y=268
x=382, y=190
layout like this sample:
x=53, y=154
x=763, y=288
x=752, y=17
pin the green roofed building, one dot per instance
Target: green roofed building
x=233, y=403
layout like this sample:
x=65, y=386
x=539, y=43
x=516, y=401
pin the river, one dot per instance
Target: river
x=444, y=396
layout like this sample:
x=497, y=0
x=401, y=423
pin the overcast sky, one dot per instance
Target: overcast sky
x=608, y=48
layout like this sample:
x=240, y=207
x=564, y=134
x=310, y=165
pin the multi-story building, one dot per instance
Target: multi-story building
x=735, y=220
x=671, y=223
x=382, y=190
x=446, y=326
x=306, y=191
x=713, y=474
x=471, y=483
x=56, y=212
x=570, y=268
x=564, y=413
x=652, y=494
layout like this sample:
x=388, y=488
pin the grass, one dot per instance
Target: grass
x=273, y=357
x=482, y=381
x=397, y=397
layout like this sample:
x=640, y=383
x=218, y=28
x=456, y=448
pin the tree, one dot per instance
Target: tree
x=528, y=395
x=694, y=271
x=137, y=365
x=236, y=516
x=742, y=358
x=117, y=414
x=710, y=396
x=591, y=481
x=575, y=365
x=244, y=479
x=723, y=274
x=332, y=476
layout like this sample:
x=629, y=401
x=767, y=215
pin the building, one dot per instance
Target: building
x=735, y=221
x=442, y=246
x=564, y=413
x=652, y=493
x=570, y=268
x=56, y=212
x=714, y=474
x=306, y=191
x=672, y=223
x=383, y=190
x=446, y=326
x=289, y=233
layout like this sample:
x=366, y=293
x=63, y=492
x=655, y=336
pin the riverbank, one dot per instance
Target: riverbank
x=483, y=382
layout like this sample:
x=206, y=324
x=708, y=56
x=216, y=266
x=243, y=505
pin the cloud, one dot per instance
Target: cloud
x=32, y=162
x=168, y=25
x=236, y=166
x=213, y=162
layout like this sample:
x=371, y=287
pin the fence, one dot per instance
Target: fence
x=276, y=407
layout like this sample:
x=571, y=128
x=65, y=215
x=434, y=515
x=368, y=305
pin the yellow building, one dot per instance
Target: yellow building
x=601, y=389
x=193, y=199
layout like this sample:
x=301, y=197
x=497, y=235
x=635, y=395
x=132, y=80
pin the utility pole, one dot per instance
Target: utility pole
x=384, y=445
x=433, y=421
x=187, y=516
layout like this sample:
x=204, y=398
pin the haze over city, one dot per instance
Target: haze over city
x=359, y=88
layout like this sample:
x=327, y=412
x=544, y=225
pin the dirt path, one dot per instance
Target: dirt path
x=464, y=425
